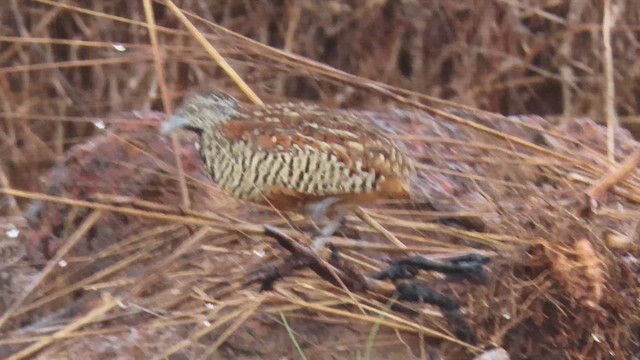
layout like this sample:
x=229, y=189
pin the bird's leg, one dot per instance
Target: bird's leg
x=320, y=240
x=334, y=224
x=317, y=211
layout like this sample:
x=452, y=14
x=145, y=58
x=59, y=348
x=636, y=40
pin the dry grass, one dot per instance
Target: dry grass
x=129, y=251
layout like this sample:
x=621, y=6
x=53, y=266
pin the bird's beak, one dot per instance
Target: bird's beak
x=172, y=125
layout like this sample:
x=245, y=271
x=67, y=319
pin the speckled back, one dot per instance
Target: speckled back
x=302, y=151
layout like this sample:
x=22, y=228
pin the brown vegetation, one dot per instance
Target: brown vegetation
x=113, y=244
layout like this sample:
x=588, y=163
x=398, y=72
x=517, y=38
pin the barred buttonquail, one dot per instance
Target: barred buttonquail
x=293, y=156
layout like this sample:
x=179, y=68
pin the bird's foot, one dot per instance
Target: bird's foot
x=323, y=235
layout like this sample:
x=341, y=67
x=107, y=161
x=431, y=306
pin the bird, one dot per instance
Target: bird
x=298, y=157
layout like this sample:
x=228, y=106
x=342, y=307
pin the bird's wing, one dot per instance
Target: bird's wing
x=359, y=148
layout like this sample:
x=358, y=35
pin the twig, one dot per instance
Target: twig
x=108, y=303
x=214, y=53
x=597, y=191
x=362, y=214
x=609, y=90
x=192, y=220
x=71, y=242
x=166, y=100
x=123, y=264
x=322, y=268
x=14, y=209
x=247, y=312
x=566, y=70
x=220, y=320
x=391, y=320
x=123, y=200
x=155, y=270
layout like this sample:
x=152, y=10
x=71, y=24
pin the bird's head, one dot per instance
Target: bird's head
x=201, y=111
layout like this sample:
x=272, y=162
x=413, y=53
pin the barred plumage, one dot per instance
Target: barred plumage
x=290, y=155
